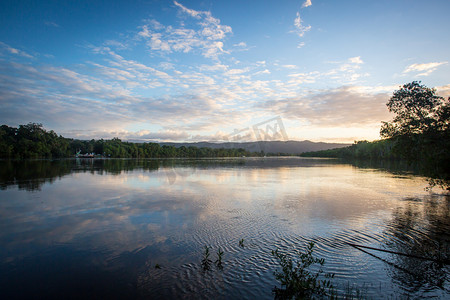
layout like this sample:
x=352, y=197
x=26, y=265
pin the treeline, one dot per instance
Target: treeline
x=382, y=149
x=33, y=141
x=419, y=133
x=31, y=174
x=428, y=154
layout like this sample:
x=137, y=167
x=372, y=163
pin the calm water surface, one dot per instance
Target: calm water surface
x=137, y=229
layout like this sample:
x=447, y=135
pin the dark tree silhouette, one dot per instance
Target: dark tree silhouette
x=419, y=134
x=418, y=111
x=420, y=130
x=33, y=141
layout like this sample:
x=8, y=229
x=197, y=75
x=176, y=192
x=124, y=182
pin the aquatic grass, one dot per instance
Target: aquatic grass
x=206, y=261
x=300, y=277
x=297, y=281
x=219, y=259
x=354, y=292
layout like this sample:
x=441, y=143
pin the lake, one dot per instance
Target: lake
x=137, y=229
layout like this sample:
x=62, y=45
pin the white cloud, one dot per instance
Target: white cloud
x=134, y=74
x=236, y=71
x=168, y=135
x=307, y=3
x=51, y=24
x=206, y=36
x=213, y=50
x=356, y=60
x=344, y=106
x=115, y=73
x=213, y=68
x=14, y=51
x=241, y=44
x=122, y=91
x=59, y=96
x=156, y=43
x=167, y=65
x=186, y=99
x=144, y=32
x=300, y=78
x=299, y=28
x=191, y=12
x=266, y=71
x=346, y=72
x=444, y=91
x=197, y=79
x=155, y=24
x=161, y=135
x=426, y=68
x=116, y=44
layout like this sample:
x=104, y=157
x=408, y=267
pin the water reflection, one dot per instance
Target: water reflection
x=112, y=221
x=398, y=167
x=32, y=174
x=63, y=272
x=421, y=228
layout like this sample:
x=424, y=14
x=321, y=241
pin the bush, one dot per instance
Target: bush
x=297, y=281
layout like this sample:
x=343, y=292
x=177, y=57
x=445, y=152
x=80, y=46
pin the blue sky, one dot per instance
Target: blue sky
x=199, y=70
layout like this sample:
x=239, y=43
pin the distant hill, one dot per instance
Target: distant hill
x=288, y=147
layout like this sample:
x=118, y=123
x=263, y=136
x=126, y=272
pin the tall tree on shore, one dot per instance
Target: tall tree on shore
x=420, y=128
x=418, y=111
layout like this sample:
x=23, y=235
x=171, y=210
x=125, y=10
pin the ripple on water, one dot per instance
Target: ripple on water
x=248, y=271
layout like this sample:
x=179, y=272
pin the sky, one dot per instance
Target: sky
x=210, y=70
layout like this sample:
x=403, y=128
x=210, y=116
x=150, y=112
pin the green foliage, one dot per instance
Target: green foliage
x=354, y=292
x=381, y=149
x=33, y=141
x=32, y=174
x=206, y=261
x=417, y=109
x=297, y=280
x=420, y=130
x=419, y=133
x=218, y=262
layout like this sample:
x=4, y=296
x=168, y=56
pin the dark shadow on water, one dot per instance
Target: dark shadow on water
x=421, y=230
x=396, y=167
x=436, y=176
x=30, y=175
x=64, y=273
